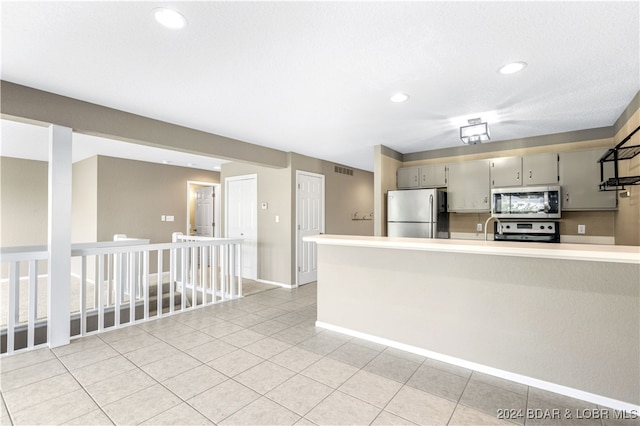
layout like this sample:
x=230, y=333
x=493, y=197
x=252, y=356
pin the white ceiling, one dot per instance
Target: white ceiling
x=316, y=77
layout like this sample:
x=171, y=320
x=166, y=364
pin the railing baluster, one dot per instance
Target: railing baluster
x=32, y=315
x=232, y=263
x=145, y=282
x=215, y=252
x=100, y=284
x=133, y=266
x=194, y=275
x=204, y=262
x=173, y=274
x=239, y=246
x=160, y=284
x=14, y=303
x=83, y=296
x=118, y=288
x=183, y=278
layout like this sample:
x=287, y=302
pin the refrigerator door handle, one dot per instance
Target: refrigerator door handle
x=431, y=214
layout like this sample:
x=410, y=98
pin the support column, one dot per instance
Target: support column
x=59, y=242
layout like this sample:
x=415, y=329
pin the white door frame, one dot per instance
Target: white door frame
x=216, y=205
x=253, y=176
x=297, y=222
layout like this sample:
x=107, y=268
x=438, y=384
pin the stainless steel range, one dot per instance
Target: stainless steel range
x=539, y=231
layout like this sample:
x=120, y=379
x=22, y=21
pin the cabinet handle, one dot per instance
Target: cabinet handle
x=485, y=199
x=566, y=197
x=517, y=175
x=530, y=174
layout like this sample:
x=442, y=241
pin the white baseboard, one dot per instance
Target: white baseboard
x=518, y=378
x=276, y=283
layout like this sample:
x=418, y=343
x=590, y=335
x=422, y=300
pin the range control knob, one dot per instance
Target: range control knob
x=541, y=226
x=550, y=227
x=508, y=226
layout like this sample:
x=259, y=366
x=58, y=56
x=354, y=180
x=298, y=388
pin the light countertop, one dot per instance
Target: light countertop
x=585, y=252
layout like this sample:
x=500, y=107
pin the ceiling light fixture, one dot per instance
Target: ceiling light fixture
x=169, y=18
x=476, y=132
x=513, y=67
x=399, y=97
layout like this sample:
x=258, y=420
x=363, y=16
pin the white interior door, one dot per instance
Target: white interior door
x=204, y=211
x=241, y=196
x=310, y=221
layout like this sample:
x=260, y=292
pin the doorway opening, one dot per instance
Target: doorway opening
x=203, y=209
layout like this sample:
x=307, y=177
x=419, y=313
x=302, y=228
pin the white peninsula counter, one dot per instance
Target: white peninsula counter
x=563, y=317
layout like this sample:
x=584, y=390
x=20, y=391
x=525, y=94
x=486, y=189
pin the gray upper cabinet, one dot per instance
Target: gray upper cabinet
x=580, y=177
x=433, y=176
x=506, y=171
x=469, y=186
x=429, y=176
x=407, y=177
x=540, y=169
x=535, y=169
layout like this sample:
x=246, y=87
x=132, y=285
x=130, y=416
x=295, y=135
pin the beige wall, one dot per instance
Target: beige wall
x=344, y=195
x=132, y=195
x=386, y=163
x=84, y=210
x=23, y=202
x=110, y=196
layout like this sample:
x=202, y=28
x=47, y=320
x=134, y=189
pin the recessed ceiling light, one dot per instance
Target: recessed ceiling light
x=399, y=97
x=169, y=18
x=512, y=67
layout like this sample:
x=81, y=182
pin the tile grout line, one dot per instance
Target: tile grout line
x=403, y=385
x=83, y=387
x=459, y=398
x=6, y=407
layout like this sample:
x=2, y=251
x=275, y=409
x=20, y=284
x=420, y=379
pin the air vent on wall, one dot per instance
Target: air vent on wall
x=343, y=170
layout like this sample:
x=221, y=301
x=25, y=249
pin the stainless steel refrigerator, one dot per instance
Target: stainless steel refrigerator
x=420, y=213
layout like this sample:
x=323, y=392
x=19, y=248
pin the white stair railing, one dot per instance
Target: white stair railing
x=115, y=283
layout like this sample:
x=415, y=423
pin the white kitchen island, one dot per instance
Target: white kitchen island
x=562, y=317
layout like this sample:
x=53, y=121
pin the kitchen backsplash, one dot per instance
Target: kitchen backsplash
x=598, y=224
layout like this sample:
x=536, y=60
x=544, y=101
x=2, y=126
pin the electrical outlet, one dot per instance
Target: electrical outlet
x=479, y=227
x=582, y=229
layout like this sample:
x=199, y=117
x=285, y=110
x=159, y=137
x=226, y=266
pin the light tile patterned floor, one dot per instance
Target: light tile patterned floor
x=255, y=361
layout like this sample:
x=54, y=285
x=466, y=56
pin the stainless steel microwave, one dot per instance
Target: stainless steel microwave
x=531, y=202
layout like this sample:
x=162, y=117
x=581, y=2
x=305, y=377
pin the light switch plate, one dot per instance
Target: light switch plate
x=170, y=218
x=582, y=229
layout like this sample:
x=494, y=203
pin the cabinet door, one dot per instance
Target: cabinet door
x=579, y=179
x=408, y=177
x=506, y=171
x=433, y=176
x=468, y=186
x=540, y=169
